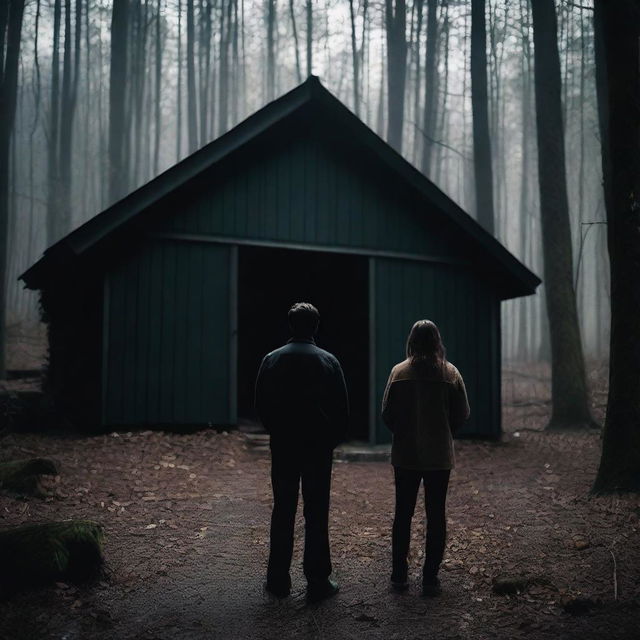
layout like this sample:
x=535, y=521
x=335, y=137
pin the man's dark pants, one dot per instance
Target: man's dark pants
x=288, y=467
x=435, y=492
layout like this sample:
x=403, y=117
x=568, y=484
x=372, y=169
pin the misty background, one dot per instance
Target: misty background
x=184, y=72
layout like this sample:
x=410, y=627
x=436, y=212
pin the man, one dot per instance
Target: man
x=301, y=399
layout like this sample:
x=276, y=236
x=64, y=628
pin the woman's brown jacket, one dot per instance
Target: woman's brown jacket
x=424, y=410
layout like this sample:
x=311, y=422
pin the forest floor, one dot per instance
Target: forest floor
x=186, y=519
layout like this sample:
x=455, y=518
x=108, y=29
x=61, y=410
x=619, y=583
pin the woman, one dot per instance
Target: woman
x=424, y=403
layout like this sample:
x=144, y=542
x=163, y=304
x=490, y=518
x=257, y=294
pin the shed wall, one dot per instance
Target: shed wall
x=163, y=367
x=467, y=314
x=305, y=191
x=167, y=336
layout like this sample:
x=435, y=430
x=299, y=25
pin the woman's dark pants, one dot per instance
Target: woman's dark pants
x=435, y=493
x=288, y=469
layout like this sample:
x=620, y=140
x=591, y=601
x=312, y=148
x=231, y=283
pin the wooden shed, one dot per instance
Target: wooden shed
x=160, y=308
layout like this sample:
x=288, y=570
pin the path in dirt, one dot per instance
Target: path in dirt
x=187, y=537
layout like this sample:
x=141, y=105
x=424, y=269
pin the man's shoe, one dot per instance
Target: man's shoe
x=276, y=590
x=399, y=583
x=322, y=590
x=431, y=587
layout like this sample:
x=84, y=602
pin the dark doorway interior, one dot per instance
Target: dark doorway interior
x=270, y=281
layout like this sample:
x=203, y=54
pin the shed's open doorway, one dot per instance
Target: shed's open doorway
x=270, y=280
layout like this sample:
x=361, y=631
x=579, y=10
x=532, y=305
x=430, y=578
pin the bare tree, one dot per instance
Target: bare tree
x=568, y=380
x=309, y=37
x=296, y=43
x=481, y=139
x=53, y=169
x=395, y=25
x=617, y=27
x=355, y=61
x=271, y=55
x=118, y=160
x=11, y=15
x=159, y=46
x=192, y=110
x=430, y=87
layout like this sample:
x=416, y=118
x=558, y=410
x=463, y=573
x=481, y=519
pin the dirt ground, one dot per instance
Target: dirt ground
x=186, y=519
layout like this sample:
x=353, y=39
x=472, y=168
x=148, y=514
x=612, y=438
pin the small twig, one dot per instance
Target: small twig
x=313, y=617
x=582, y=7
x=439, y=142
x=615, y=575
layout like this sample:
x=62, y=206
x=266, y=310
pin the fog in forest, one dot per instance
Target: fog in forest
x=110, y=94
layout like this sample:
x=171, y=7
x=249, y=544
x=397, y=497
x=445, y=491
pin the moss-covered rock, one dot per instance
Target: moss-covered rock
x=23, y=476
x=37, y=554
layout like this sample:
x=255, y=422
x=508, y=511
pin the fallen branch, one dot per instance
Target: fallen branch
x=615, y=575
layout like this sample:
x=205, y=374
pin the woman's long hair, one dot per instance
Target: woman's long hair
x=425, y=348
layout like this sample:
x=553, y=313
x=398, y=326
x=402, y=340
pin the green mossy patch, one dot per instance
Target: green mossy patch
x=38, y=554
x=22, y=477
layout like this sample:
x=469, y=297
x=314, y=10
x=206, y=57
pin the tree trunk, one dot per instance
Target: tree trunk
x=67, y=110
x=296, y=43
x=430, y=86
x=568, y=380
x=617, y=27
x=525, y=313
x=158, y=90
x=479, y=101
x=53, y=169
x=223, y=94
x=118, y=178
x=271, y=56
x=355, y=62
x=11, y=15
x=309, y=38
x=395, y=24
x=192, y=110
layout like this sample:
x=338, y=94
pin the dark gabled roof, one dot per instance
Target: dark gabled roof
x=518, y=279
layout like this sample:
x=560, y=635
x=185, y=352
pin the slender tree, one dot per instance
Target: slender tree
x=271, y=55
x=296, y=43
x=179, y=86
x=159, y=47
x=118, y=161
x=430, y=87
x=568, y=379
x=482, y=162
x=355, y=60
x=11, y=16
x=395, y=25
x=617, y=29
x=192, y=109
x=53, y=168
x=525, y=311
x=309, y=37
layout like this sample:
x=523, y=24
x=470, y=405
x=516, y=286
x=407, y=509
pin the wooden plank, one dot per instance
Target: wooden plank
x=141, y=332
x=218, y=287
x=181, y=341
x=156, y=302
x=373, y=344
x=240, y=241
x=233, y=334
x=193, y=330
x=168, y=333
x=130, y=312
x=106, y=324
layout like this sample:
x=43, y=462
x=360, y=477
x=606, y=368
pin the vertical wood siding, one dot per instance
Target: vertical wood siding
x=306, y=192
x=466, y=312
x=167, y=343
x=168, y=315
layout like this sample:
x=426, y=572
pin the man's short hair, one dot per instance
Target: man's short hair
x=303, y=320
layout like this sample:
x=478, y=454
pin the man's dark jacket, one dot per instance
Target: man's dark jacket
x=301, y=396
